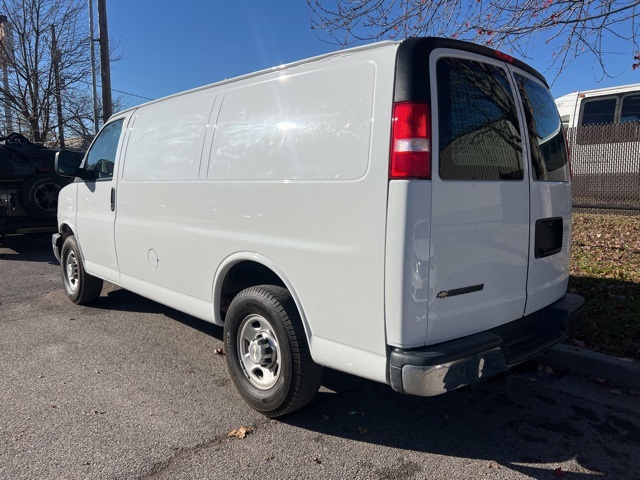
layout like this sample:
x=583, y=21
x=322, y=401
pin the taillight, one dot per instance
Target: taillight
x=410, y=141
x=503, y=56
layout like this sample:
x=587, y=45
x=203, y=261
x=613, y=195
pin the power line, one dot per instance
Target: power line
x=120, y=91
x=132, y=94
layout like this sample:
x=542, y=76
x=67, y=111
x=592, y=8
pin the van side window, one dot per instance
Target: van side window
x=546, y=138
x=598, y=112
x=479, y=132
x=630, y=109
x=102, y=154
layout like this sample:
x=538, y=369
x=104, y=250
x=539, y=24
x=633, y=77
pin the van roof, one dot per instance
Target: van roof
x=411, y=46
x=284, y=66
x=573, y=96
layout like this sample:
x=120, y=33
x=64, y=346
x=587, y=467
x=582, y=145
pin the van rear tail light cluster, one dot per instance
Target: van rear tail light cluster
x=410, y=141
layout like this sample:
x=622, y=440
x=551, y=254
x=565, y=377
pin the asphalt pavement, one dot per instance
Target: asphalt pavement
x=129, y=389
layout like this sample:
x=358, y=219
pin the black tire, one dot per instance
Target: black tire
x=39, y=195
x=80, y=287
x=267, y=353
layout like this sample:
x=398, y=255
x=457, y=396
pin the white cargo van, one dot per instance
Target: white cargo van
x=602, y=106
x=400, y=211
x=604, y=134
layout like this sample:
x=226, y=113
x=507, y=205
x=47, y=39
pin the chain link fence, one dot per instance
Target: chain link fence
x=605, y=165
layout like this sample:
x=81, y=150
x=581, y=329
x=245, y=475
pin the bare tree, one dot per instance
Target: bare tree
x=570, y=28
x=48, y=65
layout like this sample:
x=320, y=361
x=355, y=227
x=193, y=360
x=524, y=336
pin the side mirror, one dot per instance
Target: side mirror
x=68, y=163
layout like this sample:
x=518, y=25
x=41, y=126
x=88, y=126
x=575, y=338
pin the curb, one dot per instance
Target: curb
x=576, y=361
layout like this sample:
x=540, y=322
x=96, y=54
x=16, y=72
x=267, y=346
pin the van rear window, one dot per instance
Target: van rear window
x=546, y=138
x=478, y=124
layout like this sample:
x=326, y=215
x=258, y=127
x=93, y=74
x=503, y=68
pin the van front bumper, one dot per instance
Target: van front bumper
x=55, y=245
x=436, y=369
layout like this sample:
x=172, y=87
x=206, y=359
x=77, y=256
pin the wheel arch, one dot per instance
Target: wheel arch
x=65, y=229
x=246, y=269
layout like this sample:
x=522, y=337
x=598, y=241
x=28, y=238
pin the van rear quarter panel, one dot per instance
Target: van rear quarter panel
x=294, y=170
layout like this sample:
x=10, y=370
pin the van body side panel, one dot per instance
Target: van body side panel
x=296, y=172
x=311, y=146
x=407, y=262
x=156, y=198
x=350, y=359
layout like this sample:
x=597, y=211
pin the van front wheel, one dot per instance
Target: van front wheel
x=267, y=353
x=79, y=286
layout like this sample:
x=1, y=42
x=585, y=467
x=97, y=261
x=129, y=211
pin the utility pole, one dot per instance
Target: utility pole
x=55, y=57
x=92, y=40
x=105, y=69
x=6, y=56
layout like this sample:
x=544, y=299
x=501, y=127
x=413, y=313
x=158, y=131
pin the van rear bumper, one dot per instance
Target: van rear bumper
x=436, y=369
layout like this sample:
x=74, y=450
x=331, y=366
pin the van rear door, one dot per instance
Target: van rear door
x=550, y=194
x=480, y=197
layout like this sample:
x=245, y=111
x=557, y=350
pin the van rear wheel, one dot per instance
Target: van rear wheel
x=267, y=353
x=80, y=287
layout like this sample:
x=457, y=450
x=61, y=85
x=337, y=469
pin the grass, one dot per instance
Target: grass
x=605, y=269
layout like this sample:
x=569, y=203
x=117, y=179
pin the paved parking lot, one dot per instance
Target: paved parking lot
x=128, y=388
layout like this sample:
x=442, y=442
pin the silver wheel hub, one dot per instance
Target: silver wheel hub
x=72, y=271
x=259, y=352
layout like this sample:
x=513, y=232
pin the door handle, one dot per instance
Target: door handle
x=113, y=199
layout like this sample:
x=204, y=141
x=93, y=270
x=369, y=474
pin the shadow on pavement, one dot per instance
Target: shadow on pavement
x=480, y=423
x=27, y=247
x=512, y=421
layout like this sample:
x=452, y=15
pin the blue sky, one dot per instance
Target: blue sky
x=174, y=46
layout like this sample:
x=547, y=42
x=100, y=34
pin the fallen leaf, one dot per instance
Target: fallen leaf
x=317, y=460
x=362, y=430
x=558, y=472
x=325, y=417
x=218, y=351
x=239, y=432
x=494, y=465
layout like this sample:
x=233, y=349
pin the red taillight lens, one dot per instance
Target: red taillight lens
x=410, y=141
x=503, y=56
